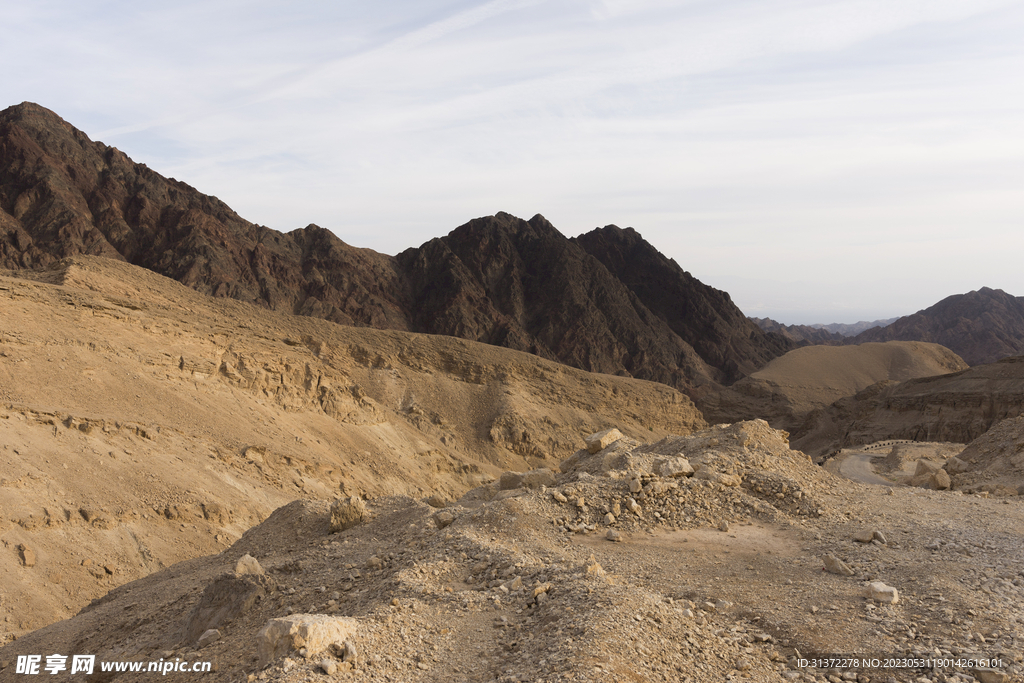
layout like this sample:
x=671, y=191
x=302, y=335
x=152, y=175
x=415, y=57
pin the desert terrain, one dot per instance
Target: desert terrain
x=440, y=511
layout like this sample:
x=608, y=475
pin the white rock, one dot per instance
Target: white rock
x=209, y=636
x=601, y=440
x=313, y=632
x=880, y=592
x=674, y=467
x=633, y=506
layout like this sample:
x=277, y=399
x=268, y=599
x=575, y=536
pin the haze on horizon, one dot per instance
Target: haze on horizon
x=820, y=161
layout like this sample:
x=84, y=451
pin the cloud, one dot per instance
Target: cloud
x=732, y=134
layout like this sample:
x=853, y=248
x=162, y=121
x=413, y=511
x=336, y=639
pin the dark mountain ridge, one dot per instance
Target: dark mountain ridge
x=982, y=326
x=607, y=301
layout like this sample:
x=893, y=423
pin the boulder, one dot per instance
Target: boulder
x=532, y=480
x=347, y=513
x=956, y=466
x=941, y=480
x=443, y=519
x=601, y=440
x=223, y=600
x=674, y=467
x=315, y=632
x=247, y=564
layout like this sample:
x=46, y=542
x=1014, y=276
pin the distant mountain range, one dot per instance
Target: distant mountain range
x=606, y=301
x=831, y=334
x=982, y=326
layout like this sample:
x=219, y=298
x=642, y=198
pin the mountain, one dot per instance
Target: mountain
x=831, y=334
x=981, y=326
x=497, y=279
x=802, y=334
x=853, y=329
x=703, y=317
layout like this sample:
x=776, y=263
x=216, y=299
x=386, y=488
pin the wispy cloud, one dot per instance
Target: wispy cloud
x=765, y=137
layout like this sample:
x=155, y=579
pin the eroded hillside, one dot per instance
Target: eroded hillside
x=143, y=423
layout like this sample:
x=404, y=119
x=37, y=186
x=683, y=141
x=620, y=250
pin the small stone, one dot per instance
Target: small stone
x=723, y=525
x=209, y=636
x=879, y=592
x=581, y=502
x=349, y=653
x=990, y=676
x=879, y=536
x=613, y=536
x=443, y=519
x=864, y=536
x=635, y=486
x=247, y=564
x=742, y=664
x=541, y=589
x=28, y=556
x=557, y=495
x=609, y=519
x=517, y=584
x=329, y=666
x=436, y=501
x=373, y=563
x=633, y=506
x=833, y=565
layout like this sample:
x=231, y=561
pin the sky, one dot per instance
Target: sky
x=820, y=161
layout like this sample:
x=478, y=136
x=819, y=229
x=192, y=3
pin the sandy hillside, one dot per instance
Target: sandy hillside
x=812, y=377
x=142, y=423
x=716, y=576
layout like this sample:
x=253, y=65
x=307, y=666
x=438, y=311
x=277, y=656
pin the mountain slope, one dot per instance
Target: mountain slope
x=703, y=317
x=497, y=279
x=982, y=326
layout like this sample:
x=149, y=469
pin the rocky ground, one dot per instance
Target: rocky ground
x=715, y=575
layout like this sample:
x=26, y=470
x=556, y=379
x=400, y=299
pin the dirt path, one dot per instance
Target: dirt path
x=857, y=466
